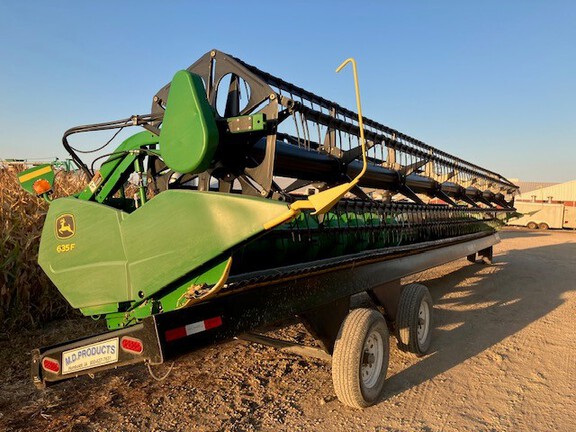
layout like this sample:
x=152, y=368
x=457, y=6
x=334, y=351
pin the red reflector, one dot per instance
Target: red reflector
x=213, y=322
x=132, y=345
x=176, y=333
x=50, y=365
x=192, y=328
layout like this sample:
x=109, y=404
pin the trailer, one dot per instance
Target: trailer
x=318, y=295
x=543, y=216
x=216, y=240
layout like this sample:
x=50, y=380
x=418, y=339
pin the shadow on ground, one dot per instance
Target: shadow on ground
x=496, y=302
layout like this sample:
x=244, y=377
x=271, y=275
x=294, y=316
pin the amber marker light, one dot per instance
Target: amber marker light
x=41, y=186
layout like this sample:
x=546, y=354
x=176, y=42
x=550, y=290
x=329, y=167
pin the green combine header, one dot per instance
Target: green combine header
x=252, y=201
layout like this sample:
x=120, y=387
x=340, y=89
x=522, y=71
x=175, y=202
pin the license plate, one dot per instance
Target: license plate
x=90, y=356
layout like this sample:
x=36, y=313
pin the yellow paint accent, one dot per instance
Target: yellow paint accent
x=295, y=209
x=213, y=291
x=34, y=174
x=65, y=229
x=325, y=200
x=289, y=215
x=360, y=117
x=68, y=247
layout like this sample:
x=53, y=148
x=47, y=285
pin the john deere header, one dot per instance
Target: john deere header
x=239, y=171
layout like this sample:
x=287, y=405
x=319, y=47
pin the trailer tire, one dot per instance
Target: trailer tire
x=360, y=358
x=543, y=226
x=532, y=225
x=414, y=319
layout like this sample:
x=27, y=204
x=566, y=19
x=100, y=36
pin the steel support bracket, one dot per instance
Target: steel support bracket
x=324, y=322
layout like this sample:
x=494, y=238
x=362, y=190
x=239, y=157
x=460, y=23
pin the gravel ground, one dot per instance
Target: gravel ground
x=502, y=359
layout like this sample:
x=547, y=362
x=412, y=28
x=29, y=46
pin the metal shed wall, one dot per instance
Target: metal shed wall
x=560, y=193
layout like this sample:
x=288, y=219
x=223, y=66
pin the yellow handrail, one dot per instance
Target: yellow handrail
x=325, y=200
x=360, y=117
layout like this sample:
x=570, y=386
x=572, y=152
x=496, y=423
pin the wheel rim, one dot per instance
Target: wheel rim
x=423, y=322
x=373, y=359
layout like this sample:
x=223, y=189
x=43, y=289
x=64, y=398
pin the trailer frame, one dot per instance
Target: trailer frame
x=318, y=294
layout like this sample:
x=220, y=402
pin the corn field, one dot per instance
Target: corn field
x=27, y=297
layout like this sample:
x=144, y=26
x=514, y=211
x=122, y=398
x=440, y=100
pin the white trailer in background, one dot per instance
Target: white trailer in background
x=543, y=215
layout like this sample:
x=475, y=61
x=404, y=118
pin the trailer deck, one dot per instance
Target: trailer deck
x=318, y=293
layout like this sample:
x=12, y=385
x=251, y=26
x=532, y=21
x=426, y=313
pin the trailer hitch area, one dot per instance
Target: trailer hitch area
x=136, y=344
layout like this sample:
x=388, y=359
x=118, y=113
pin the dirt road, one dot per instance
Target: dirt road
x=503, y=358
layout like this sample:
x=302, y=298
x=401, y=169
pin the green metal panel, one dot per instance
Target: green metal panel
x=28, y=177
x=117, y=173
x=179, y=230
x=81, y=250
x=105, y=256
x=189, y=134
x=173, y=298
x=116, y=168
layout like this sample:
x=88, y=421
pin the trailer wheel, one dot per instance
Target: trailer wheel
x=543, y=226
x=414, y=319
x=360, y=358
x=532, y=225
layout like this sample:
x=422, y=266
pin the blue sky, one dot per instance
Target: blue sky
x=493, y=82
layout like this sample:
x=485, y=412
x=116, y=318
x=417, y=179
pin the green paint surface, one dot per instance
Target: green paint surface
x=189, y=135
x=115, y=170
x=28, y=177
x=118, y=257
x=89, y=268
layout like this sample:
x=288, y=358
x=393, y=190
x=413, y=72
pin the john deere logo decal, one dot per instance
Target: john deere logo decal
x=65, y=226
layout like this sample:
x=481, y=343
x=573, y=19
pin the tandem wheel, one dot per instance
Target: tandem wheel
x=360, y=358
x=414, y=319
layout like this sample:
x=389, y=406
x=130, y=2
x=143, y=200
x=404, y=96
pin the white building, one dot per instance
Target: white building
x=560, y=193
